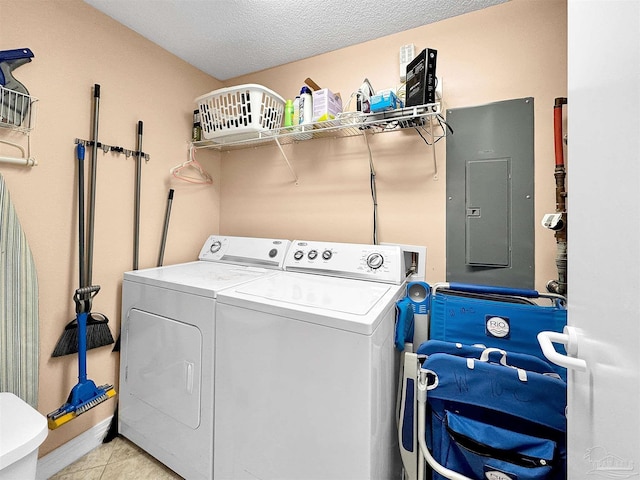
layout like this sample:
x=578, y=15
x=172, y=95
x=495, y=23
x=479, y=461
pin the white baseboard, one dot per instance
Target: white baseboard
x=73, y=450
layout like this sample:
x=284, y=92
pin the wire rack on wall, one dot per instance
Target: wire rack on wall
x=349, y=124
x=17, y=110
x=17, y=114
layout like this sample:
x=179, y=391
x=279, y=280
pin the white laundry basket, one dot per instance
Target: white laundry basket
x=241, y=112
x=22, y=430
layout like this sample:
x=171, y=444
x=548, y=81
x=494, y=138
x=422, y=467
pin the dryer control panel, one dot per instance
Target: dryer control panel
x=380, y=263
x=248, y=251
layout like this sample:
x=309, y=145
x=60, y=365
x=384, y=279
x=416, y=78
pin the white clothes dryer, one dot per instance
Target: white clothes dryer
x=306, y=370
x=167, y=348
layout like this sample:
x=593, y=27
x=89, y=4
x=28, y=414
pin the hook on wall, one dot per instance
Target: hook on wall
x=113, y=148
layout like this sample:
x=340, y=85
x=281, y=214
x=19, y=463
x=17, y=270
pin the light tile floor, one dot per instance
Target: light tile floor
x=116, y=460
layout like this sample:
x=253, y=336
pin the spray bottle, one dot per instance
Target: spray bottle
x=305, y=110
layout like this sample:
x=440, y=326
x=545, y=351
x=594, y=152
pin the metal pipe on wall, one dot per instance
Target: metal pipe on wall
x=560, y=285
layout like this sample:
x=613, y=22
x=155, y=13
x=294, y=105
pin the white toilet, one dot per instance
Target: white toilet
x=22, y=430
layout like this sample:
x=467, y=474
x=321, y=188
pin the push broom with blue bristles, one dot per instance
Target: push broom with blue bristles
x=85, y=394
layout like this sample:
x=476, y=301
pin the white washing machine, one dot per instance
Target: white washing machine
x=306, y=371
x=167, y=348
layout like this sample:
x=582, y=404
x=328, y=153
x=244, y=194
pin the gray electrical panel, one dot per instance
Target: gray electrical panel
x=490, y=201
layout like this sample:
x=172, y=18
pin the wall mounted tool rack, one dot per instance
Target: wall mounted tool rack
x=349, y=124
x=114, y=149
x=18, y=114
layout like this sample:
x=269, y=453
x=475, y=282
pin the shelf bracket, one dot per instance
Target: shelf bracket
x=284, y=155
x=26, y=160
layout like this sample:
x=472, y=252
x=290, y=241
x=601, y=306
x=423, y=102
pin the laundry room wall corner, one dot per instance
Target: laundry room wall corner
x=75, y=46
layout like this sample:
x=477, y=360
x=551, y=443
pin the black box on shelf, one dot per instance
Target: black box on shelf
x=421, y=79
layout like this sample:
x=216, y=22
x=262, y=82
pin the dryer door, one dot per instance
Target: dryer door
x=164, y=365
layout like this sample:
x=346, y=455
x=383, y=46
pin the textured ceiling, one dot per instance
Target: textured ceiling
x=228, y=38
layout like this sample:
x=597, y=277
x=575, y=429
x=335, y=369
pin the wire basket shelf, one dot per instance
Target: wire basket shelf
x=17, y=110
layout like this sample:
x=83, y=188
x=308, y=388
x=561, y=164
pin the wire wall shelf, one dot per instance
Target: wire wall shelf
x=348, y=124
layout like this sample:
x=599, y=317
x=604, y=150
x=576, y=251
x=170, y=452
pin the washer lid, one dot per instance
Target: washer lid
x=334, y=294
x=199, y=278
x=22, y=429
x=353, y=305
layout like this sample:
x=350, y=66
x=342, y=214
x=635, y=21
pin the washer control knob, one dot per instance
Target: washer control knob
x=215, y=246
x=298, y=254
x=375, y=261
x=327, y=254
x=313, y=254
x=273, y=252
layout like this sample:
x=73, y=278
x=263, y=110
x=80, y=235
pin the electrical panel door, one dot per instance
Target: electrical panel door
x=487, y=239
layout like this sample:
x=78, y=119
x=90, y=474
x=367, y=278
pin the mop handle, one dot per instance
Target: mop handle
x=92, y=185
x=165, y=230
x=82, y=347
x=136, y=221
x=81, y=255
x=83, y=298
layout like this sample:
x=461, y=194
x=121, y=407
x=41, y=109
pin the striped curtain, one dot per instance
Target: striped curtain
x=18, y=307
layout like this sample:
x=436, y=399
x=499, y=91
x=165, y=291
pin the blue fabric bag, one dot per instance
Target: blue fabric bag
x=486, y=420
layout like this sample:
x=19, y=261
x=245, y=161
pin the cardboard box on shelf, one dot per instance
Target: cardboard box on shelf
x=385, y=101
x=326, y=105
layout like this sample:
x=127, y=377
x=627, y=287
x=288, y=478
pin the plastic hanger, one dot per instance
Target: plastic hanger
x=191, y=171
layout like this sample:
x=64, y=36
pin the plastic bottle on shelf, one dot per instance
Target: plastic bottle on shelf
x=196, y=134
x=288, y=113
x=295, y=119
x=305, y=112
x=306, y=105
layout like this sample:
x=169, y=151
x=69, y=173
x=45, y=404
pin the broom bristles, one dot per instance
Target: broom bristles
x=98, y=335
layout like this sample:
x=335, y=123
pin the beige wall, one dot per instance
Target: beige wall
x=513, y=50
x=75, y=47
x=509, y=51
